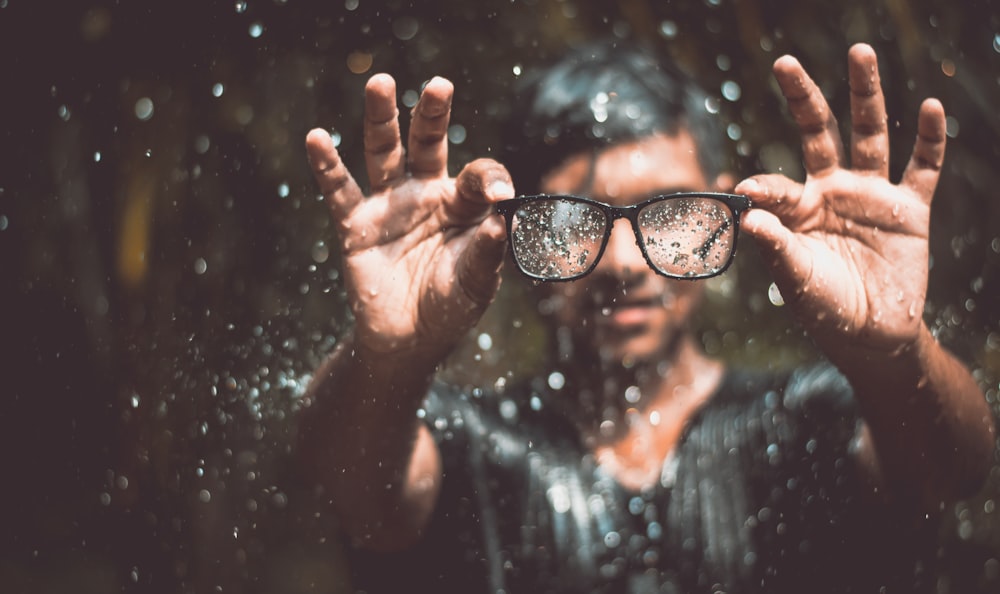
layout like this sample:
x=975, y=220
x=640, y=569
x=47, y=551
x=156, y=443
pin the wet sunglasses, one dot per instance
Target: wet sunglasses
x=688, y=235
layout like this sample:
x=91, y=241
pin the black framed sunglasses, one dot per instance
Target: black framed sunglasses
x=687, y=235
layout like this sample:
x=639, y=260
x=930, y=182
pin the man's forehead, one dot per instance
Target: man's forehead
x=656, y=163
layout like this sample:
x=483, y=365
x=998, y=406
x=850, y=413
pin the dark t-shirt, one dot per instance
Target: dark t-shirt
x=759, y=495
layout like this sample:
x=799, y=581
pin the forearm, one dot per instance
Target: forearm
x=931, y=431
x=360, y=439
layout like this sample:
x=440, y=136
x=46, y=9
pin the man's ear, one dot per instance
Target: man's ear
x=724, y=182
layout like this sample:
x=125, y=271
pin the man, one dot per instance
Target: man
x=639, y=464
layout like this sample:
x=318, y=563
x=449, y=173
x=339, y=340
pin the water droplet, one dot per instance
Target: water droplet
x=283, y=190
x=320, y=252
x=204, y=495
x=484, y=341
x=241, y=6
x=256, y=29
x=218, y=89
x=405, y=28
x=64, y=113
x=774, y=295
x=996, y=43
x=97, y=156
x=668, y=29
x=200, y=266
x=731, y=90
x=4, y=222
x=144, y=108
x=456, y=134
x=351, y=4
x=557, y=380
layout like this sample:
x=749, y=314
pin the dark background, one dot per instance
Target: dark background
x=168, y=279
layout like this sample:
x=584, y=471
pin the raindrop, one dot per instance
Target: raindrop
x=202, y=144
x=996, y=43
x=410, y=97
x=668, y=29
x=144, y=108
x=204, y=495
x=405, y=28
x=320, y=252
x=774, y=295
x=4, y=222
x=336, y=138
x=283, y=190
x=485, y=341
x=951, y=126
x=633, y=394
x=256, y=29
x=200, y=266
x=351, y=4
x=218, y=89
x=734, y=131
x=97, y=156
x=556, y=380
x=723, y=63
x=711, y=105
x=64, y=113
x=456, y=134
x=241, y=6
x=731, y=90
x=517, y=70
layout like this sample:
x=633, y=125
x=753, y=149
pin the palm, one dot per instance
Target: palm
x=417, y=250
x=848, y=249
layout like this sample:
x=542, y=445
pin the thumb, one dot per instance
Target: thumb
x=478, y=267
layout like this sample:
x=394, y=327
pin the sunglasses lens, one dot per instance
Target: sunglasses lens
x=556, y=238
x=691, y=237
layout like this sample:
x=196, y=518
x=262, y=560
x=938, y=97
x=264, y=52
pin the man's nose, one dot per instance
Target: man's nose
x=622, y=255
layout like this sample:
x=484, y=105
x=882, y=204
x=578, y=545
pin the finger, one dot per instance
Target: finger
x=480, y=184
x=428, y=140
x=821, y=145
x=383, y=148
x=924, y=168
x=335, y=182
x=478, y=267
x=773, y=192
x=869, y=130
x=789, y=264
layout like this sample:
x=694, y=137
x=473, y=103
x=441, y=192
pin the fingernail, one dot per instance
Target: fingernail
x=747, y=186
x=500, y=189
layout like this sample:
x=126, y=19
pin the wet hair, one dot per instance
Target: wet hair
x=601, y=94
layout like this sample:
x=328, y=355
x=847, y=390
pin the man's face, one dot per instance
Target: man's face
x=623, y=311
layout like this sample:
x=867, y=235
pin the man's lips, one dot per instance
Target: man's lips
x=629, y=312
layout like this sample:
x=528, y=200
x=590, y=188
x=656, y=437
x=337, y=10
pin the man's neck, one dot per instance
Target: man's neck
x=614, y=399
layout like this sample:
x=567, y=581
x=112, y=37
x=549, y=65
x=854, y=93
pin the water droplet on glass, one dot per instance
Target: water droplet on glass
x=996, y=43
x=256, y=29
x=517, y=70
x=241, y=6
x=200, y=266
x=633, y=394
x=218, y=89
x=97, y=156
x=351, y=4
x=64, y=113
x=283, y=190
x=711, y=105
x=204, y=495
x=144, y=108
x=557, y=380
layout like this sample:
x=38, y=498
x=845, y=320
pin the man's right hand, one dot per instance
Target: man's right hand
x=422, y=252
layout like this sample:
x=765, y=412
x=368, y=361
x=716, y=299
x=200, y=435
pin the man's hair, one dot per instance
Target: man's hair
x=600, y=94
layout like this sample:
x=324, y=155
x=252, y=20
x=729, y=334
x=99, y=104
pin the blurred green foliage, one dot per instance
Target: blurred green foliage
x=170, y=278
